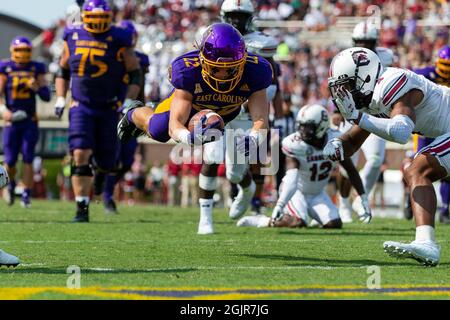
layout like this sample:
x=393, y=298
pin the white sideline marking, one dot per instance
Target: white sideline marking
x=237, y=241
x=196, y=268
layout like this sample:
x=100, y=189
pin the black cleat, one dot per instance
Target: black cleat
x=110, y=207
x=82, y=213
x=127, y=130
x=81, y=217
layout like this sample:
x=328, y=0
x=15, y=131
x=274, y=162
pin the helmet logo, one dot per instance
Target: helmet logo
x=360, y=58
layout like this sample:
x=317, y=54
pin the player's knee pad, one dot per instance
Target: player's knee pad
x=207, y=183
x=82, y=171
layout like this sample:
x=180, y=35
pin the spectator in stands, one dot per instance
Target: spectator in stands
x=39, y=189
x=174, y=181
x=155, y=181
x=139, y=177
x=63, y=180
x=190, y=172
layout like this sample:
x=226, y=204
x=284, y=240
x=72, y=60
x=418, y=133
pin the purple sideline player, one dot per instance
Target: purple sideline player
x=96, y=57
x=126, y=149
x=21, y=79
x=221, y=75
x=440, y=74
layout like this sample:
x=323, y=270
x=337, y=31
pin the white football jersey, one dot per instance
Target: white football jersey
x=314, y=170
x=433, y=112
x=386, y=56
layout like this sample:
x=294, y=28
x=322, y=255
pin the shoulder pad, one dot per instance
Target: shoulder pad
x=259, y=72
x=181, y=68
x=293, y=146
x=262, y=44
x=391, y=85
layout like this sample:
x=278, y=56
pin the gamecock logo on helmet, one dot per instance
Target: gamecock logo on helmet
x=360, y=58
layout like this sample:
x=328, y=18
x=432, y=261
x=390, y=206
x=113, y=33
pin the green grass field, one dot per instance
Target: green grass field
x=154, y=253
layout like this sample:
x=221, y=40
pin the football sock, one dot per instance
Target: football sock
x=82, y=200
x=425, y=233
x=130, y=115
x=26, y=193
x=12, y=187
x=206, y=206
x=345, y=202
x=110, y=183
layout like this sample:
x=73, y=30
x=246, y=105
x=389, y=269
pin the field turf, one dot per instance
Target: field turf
x=149, y=252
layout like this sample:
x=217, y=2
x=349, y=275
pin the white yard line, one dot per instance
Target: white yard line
x=234, y=241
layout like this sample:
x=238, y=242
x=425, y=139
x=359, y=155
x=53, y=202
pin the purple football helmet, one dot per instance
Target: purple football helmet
x=443, y=62
x=21, y=50
x=128, y=25
x=222, y=57
x=97, y=16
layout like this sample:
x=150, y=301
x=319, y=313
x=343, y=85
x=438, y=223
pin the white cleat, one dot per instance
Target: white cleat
x=257, y=221
x=242, y=201
x=425, y=252
x=345, y=213
x=8, y=260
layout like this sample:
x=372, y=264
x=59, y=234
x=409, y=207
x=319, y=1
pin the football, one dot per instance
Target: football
x=211, y=117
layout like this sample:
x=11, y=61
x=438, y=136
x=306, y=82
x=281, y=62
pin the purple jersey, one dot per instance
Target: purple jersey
x=430, y=74
x=96, y=64
x=18, y=95
x=186, y=73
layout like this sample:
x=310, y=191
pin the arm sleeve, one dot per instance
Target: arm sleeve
x=288, y=188
x=398, y=129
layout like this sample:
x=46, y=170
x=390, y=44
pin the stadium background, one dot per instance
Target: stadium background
x=310, y=33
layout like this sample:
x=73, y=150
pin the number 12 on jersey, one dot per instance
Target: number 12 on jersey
x=325, y=168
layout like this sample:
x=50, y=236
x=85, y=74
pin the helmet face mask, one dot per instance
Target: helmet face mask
x=240, y=20
x=353, y=86
x=222, y=57
x=238, y=13
x=307, y=131
x=356, y=70
x=21, y=50
x=312, y=123
x=97, y=16
x=365, y=43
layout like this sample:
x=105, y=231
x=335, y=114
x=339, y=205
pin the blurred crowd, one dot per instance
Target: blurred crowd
x=413, y=29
